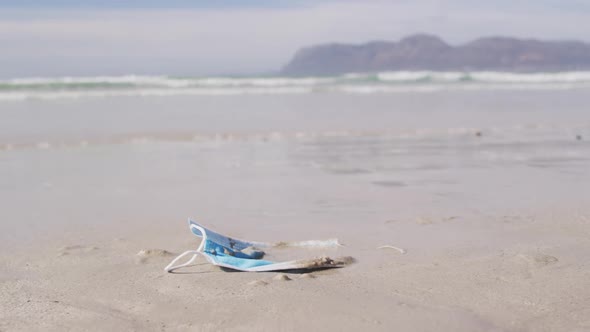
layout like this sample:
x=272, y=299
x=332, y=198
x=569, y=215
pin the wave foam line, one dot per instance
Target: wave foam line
x=484, y=77
x=223, y=91
x=137, y=81
x=380, y=78
x=521, y=133
x=52, y=95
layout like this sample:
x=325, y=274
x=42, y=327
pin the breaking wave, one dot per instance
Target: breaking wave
x=355, y=83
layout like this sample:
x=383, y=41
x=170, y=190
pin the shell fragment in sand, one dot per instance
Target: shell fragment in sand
x=401, y=250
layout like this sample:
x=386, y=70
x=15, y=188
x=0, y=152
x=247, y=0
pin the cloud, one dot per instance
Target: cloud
x=134, y=4
x=204, y=41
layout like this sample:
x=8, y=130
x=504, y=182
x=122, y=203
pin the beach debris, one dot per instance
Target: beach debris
x=230, y=253
x=323, y=262
x=401, y=250
x=579, y=137
x=282, y=277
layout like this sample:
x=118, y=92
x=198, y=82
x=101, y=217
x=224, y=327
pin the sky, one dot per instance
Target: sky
x=246, y=37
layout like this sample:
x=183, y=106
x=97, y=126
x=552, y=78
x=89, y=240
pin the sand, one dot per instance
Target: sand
x=449, y=232
x=498, y=273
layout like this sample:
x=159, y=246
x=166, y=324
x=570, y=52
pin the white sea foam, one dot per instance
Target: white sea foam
x=371, y=89
x=402, y=76
x=163, y=81
x=263, y=82
x=19, y=89
x=104, y=80
x=541, y=135
x=51, y=95
x=484, y=77
x=412, y=76
x=564, y=77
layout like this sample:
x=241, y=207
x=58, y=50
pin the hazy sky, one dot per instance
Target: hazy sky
x=182, y=37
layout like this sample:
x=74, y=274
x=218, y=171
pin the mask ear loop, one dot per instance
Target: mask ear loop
x=171, y=267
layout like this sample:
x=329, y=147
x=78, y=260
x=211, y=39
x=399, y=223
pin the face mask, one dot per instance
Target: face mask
x=223, y=251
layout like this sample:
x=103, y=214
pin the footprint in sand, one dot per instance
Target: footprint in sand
x=524, y=265
x=75, y=249
x=430, y=221
x=387, y=183
x=424, y=221
x=146, y=254
x=538, y=259
x=282, y=277
x=256, y=283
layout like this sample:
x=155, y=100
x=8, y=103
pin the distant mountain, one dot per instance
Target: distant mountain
x=428, y=52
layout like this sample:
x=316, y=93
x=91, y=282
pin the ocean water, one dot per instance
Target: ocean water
x=354, y=83
x=359, y=148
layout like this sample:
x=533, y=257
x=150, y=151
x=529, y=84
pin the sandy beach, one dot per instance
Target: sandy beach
x=486, y=192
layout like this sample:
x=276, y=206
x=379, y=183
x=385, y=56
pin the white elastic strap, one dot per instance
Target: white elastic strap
x=195, y=253
x=170, y=267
